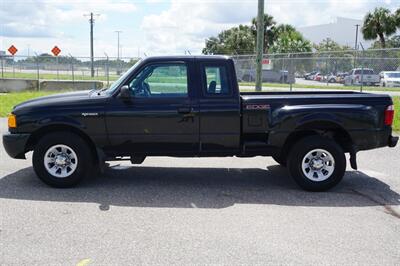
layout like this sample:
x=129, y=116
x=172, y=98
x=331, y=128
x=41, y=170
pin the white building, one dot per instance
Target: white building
x=342, y=31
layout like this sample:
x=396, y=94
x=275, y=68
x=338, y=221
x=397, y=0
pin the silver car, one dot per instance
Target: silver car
x=390, y=78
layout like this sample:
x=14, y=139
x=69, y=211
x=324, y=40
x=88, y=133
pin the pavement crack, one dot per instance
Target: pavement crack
x=387, y=207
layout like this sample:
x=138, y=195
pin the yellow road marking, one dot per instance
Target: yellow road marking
x=84, y=262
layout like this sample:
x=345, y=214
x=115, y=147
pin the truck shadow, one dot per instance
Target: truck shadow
x=172, y=187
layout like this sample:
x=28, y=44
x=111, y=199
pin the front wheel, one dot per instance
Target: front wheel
x=62, y=159
x=280, y=159
x=317, y=163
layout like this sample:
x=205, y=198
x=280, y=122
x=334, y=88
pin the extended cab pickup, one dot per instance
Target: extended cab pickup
x=191, y=106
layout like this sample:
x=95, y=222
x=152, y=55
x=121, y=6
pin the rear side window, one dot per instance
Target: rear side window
x=365, y=71
x=216, y=80
x=368, y=71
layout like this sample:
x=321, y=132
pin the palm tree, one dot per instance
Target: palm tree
x=397, y=17
x=269, y=30
x=379, y=24
x=282, y=28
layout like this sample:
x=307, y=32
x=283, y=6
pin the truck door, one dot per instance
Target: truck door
x=219, y=108
x=160, y=117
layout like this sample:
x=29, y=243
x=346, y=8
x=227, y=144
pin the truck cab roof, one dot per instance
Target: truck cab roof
x=186, y=58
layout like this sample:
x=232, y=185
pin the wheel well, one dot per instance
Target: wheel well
x=324, y=129
x=38, y=134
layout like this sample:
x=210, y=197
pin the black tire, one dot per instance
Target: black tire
x=280, y=159
x=304, y=147
x=84, y=163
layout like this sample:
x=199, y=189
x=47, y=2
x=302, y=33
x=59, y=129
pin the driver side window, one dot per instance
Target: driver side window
x=161, y=80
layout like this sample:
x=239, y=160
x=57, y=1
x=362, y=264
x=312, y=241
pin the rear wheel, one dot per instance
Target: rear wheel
x=317, y=163
x=62, y=159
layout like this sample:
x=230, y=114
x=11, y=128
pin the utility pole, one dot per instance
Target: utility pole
x=118, y=32
x=355, y=44
x=91, y=21
x=260, y=44
x=118, y=70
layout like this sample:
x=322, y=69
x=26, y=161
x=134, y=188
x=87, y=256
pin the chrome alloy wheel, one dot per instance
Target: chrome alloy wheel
x=60, y=161
x=318, y=165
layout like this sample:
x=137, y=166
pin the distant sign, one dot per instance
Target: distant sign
x=266, y=64
x=12, y=50
x=56, y=51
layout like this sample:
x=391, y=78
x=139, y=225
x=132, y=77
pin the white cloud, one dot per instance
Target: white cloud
x=29, y=18
x=180, y=26
x=186, y=24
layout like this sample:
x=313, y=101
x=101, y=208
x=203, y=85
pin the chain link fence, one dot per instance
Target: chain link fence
x=349, y=69
x=64, y=68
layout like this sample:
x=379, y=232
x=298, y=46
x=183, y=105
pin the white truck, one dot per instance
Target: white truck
x=365, y=76
x=390, y=78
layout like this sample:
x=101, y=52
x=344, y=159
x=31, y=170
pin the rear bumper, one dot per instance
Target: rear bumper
x=393, y=141
x=372, y=139
x=15, y=144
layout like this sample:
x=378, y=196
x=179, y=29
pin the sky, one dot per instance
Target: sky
x=152, y=27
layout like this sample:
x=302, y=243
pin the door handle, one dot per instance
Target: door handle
x=185, y=110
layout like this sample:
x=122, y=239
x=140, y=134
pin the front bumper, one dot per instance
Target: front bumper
x=15, y=144
x=393, y=141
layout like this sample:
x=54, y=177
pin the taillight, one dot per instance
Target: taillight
x=389, y=115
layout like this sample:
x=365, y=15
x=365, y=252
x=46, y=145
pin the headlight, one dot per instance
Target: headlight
x=12, y=121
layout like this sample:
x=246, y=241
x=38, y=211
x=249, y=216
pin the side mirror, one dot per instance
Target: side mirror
x=125, y=93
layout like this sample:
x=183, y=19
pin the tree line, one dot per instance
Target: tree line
x=378, y=25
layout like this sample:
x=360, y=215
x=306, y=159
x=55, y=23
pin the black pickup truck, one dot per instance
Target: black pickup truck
x=187, y=106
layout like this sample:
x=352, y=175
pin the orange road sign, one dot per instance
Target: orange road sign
x=56, y=51
x=13, y=50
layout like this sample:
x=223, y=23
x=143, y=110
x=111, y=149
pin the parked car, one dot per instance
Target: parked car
x=299, y=74
x=318, y=77
x=340, y=77
x=274, y=76
x=390, y=78
x=331, y=78
x=358, y=75
x=191, y=106
x=310, y=75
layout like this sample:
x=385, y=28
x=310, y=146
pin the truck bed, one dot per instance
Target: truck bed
x=306, y=97
x=272, y=115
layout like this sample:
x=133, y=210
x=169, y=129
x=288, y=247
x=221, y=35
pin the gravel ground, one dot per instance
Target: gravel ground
x=201, y=211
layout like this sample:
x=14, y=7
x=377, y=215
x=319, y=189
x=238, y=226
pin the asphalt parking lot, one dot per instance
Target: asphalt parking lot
x=201, y=211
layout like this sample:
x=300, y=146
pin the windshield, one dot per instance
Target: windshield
x=116, y=83
x=393, y=75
